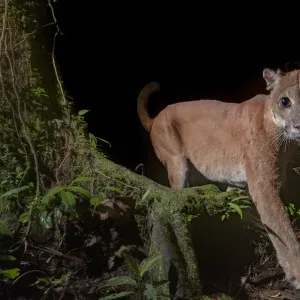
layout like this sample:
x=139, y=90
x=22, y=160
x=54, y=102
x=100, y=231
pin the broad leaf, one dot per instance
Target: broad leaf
x=242, y=198
x=7, y=257
x=120, y=280
x=83, y=179
x=78, y=189
x=244, y=206
x=82, y=112
x=113, y=189
x=147, y=264
x=52, y=192
x=96, y=201
x=68, y=199
x=24, y=217
x=58, y=123
x=41, y=280
x=4, y=229
x=133, y=264
x=150, y=292
x=143, y=199
x=10, y=273
x=15, y=191
x=236, y=208
x=159, y=283
x=60, y=281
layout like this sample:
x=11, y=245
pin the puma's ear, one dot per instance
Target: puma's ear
x=271, y=77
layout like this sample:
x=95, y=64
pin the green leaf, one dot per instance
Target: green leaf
x=150, y=292
x=93, y=140
x=15, y=191
x=45, y=220
x=96, y=201
x=68, y=199
x=113, y=189
x=41, y=279
x=161, y=295
x=82, y=112
x=241, y=198
x=58, y=123
x=117, y=296
x=147, y=264
x=4, y=229
x=132, y=263
x=120, y=280
x=244, y=206
x=78, y=189
x=223, y=217
x=24, y=217
x=236, y=208
x=10, y=273
x=143, y=199
x=52, y=192
x=204, y=297
x=7, y=257
x=159, y=283
x=59, y=281
x=82, y=179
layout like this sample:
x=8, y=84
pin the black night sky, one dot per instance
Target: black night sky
x=107, y=54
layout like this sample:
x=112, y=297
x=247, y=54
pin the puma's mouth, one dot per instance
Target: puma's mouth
x=294, y=132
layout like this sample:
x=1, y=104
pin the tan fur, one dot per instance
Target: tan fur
x=243, y=145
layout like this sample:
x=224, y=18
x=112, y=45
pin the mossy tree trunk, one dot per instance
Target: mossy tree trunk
x=43, y=145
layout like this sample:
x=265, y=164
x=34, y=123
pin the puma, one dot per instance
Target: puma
x=244, y=145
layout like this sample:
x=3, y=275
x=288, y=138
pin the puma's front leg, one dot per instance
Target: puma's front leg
x=263, y=179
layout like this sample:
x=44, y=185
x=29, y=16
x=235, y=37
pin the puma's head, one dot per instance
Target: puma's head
x=285, y=101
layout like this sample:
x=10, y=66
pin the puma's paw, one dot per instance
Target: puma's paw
x=295, y=284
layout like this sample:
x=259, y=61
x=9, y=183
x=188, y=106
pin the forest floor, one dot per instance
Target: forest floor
x=85, y=255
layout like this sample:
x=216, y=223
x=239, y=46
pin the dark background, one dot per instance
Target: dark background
x=107, y=53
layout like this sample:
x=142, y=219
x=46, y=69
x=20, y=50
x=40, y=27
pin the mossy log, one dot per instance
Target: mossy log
x=169, y=217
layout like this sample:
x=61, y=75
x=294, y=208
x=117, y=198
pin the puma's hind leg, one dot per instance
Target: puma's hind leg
x=177, y=171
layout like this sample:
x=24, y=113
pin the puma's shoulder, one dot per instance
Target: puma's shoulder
x=260, y=98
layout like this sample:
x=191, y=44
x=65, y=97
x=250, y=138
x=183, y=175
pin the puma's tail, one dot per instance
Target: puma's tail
x=142, y=104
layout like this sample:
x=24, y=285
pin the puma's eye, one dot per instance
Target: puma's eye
x=285, y=102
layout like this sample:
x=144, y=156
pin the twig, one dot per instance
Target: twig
x=49, y=250
x=31, y=33
x=62, y=162
x=60, y=243
x=53, y=53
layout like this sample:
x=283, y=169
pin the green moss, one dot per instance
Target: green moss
x=8, y=220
